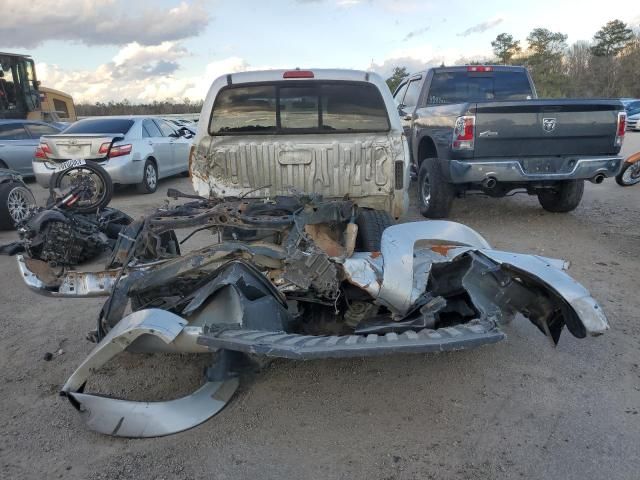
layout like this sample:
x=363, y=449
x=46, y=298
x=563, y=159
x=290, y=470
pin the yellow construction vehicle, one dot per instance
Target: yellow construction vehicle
x=22, y=97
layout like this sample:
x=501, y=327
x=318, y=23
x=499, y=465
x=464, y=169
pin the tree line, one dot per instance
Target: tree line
x=606, y=66
x=125, y=107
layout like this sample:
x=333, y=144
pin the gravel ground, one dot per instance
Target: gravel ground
x=517, y=409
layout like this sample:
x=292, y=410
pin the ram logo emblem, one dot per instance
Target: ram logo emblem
x=548, y=124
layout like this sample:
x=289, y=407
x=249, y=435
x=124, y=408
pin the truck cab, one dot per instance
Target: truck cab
x=322, y=132
x=19, y=95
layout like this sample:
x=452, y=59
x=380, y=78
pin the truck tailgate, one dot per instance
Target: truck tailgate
x=268, y=166
x=546, y=128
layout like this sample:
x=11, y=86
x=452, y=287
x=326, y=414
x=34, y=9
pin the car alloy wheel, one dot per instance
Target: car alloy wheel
x=19, y=201
x=151, y=176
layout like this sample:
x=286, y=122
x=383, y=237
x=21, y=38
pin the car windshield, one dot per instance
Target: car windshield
x=299, y=107
x=101, y=125
x=463, y=86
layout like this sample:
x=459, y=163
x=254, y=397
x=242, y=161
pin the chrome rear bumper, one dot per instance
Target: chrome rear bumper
x=504, y=170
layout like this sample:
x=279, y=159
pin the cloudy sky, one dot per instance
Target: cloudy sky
x=100, y=50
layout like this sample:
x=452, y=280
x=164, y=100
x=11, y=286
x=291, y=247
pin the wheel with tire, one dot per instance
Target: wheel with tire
x=565, y=197
x=629, y=175
x=15, y=202
x=435, y=193
x=149, y=182
x=371, y=224
x=90, y=181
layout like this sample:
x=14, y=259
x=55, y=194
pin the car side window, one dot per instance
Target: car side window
x=13, y=131
x=399, y=96
x=165, y=128
x=413, y=92
x=150, y=129
x=37, y=130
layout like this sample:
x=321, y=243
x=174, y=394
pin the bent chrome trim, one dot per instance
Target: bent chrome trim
x=125, y=418
x=71, y=284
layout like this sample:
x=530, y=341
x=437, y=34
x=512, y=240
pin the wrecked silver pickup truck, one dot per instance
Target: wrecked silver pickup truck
x=286, y=279
x=311, y=275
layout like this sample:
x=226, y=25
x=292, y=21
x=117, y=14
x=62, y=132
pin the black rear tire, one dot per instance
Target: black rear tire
x=90, y=205
x=564, y=198
x=21, y=200
x=149, y=182
x=371, y=224
x=435, y=194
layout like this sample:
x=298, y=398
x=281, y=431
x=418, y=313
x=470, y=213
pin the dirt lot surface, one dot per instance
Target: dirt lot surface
x=517, y=409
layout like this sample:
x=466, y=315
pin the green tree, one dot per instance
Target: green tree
x=545, y=42
x=505, y=47
x=545, y=61
x=611, y=39
x=398, y=74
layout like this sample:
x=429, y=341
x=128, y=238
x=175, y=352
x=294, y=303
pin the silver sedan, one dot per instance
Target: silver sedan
x=133, y=149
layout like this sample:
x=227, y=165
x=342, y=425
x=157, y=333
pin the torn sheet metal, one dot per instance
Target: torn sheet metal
x=142, y=419
x=398, y=245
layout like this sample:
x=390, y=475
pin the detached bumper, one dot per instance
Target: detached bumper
x=123, y=170
x=541, y=169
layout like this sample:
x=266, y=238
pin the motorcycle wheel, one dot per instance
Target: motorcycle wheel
x=95, y=188
x=629, y=175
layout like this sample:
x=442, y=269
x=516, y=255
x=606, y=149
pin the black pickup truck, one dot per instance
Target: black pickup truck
x=483, y=128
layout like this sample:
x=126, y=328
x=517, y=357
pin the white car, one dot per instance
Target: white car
x=133, y=149
x=633, y=121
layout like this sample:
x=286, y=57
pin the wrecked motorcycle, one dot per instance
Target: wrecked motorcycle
x=76, y=225
x=630, y=172
x=286, y=279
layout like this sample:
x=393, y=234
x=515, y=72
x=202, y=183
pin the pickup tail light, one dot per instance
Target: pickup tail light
x=464, y=133
x=42, y=151
x=298, y=74
x=119, y=151
x=621, y=128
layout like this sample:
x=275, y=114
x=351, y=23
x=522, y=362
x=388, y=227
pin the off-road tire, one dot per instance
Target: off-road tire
x=148, y=185
x=565, y=198
x=7, y=221
x=371, y=224
x=441, y=192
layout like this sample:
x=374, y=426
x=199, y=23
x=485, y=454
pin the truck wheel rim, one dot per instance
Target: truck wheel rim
x=425, y=191
x=18, y=203
x=151, y=176
x=631, y=175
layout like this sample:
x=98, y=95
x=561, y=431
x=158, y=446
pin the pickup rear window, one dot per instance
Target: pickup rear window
x=458, y=87
x=299, y=107
x=101, y=125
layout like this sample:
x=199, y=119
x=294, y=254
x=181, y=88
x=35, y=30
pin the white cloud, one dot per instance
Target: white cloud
x=27, y=24
x=140, y=74
x=421, y=57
